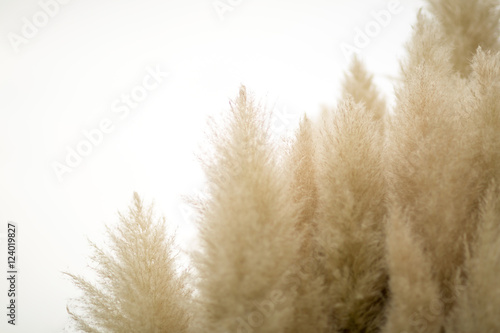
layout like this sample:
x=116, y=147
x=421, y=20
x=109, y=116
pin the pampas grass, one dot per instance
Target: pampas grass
x=247, y=231
x=137, y=289
x=350, y=217
x=368, y=221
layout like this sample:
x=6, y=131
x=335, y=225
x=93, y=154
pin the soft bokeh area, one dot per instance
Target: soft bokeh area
x=102, y=98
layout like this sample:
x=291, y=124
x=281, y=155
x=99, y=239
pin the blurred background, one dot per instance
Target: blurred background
x=100, y=98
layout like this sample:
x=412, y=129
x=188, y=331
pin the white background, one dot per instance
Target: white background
x=65, y=79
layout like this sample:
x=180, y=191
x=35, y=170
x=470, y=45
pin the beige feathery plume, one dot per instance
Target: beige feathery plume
x=429, y=154
x=358, y=84
x=415, y=304
x=478, y=304
x=350, y=217
x=309, y=309
x=468, y=24
x=303, y=175
x=248, y=236
x=138, y=290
